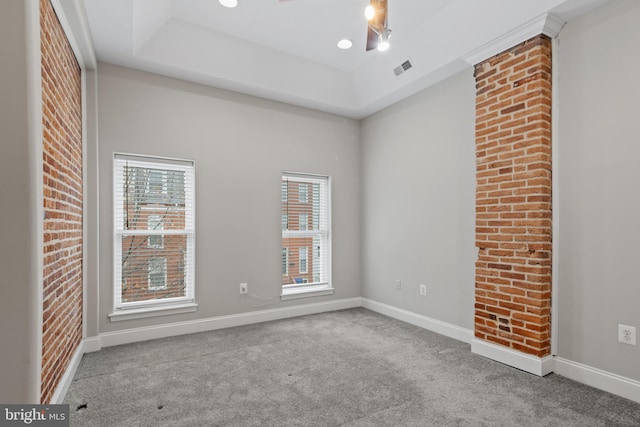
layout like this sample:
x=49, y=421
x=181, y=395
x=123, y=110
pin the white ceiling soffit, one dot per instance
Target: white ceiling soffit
x=286, y=51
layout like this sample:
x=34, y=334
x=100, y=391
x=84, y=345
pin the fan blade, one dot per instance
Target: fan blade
x=377, y=24
x=372, y=39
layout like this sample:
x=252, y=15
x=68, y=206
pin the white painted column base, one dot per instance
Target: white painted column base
x=525, y=362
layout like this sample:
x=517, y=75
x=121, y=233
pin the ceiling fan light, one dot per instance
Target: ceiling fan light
x=345, y=44
x=369, y=12
x=383, y=40
x=229, y=3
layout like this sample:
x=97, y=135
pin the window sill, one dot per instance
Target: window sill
x=306, y=292
x=141, y=313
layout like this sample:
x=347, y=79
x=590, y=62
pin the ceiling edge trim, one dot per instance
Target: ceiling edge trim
x=547, y=24
x=73, y=20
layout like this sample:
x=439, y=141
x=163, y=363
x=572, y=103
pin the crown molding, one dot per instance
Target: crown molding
x=547, y=24
x=73, y=19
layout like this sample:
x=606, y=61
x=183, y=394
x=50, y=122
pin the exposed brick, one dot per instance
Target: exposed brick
x=62, y=201
x=513, y=108
x=513, y=197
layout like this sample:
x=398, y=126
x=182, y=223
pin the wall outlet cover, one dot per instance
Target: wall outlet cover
x=423, y=290
x=627, y=334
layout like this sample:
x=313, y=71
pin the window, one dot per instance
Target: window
x=303, y=222
x=303, y=260
x=157, y=273
x=285, y=221
x=154, y=235
x=285, y=261
x=156, y=184
x=155, y=223
x=303, y=193
x=306, y=269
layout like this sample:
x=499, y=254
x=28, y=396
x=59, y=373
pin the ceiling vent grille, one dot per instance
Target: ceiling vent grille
x=405, y=66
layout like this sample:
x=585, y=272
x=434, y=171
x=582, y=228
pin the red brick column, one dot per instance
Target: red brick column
x=513, y=198
x=62, y=191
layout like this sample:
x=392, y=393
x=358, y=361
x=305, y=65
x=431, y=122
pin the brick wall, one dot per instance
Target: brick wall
x=62, y=166
x=513, y=198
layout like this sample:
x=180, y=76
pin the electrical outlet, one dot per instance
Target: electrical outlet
x=398, y=284
x=423, y=290
x=244, y=287
x=627, y=334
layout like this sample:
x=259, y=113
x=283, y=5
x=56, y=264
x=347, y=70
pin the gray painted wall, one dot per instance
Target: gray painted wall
x=599, y=179
x=241, y=144
x=416, y=161
x=418, y=202
x=19, y=311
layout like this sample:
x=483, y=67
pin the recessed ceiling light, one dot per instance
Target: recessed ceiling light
x=229, y=3
x=345, y=44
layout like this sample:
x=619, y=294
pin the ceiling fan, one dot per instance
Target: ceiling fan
x=378, y=32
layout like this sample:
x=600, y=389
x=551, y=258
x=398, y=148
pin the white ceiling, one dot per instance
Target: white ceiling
x=286, y=50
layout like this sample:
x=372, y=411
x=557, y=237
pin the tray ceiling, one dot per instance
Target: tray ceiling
x=286, y=50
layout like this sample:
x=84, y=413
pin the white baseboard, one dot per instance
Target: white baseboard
x=438, y=326
x=612, y=383
x=92, y=344
x=524, y=362
x=603, y=380
x=67, y=378
x=127, y=336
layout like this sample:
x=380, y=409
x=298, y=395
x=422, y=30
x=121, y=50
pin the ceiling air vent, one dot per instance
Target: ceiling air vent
x=405, y=66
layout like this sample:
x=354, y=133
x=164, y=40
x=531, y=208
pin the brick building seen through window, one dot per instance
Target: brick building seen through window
x=153, y=251
x=304, y=240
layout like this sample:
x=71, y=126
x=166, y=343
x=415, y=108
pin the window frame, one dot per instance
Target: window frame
x=324, y=287
x=161, y=306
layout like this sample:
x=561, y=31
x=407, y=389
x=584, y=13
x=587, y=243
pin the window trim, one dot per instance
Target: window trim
x=149, y=308
x=143, y=312
x=290, y=292
x=295, y=291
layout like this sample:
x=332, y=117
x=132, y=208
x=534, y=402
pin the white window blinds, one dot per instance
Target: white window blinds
x=305, y=231
x=154, y=231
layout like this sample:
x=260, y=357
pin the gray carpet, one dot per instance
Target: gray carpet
x=344, y=368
